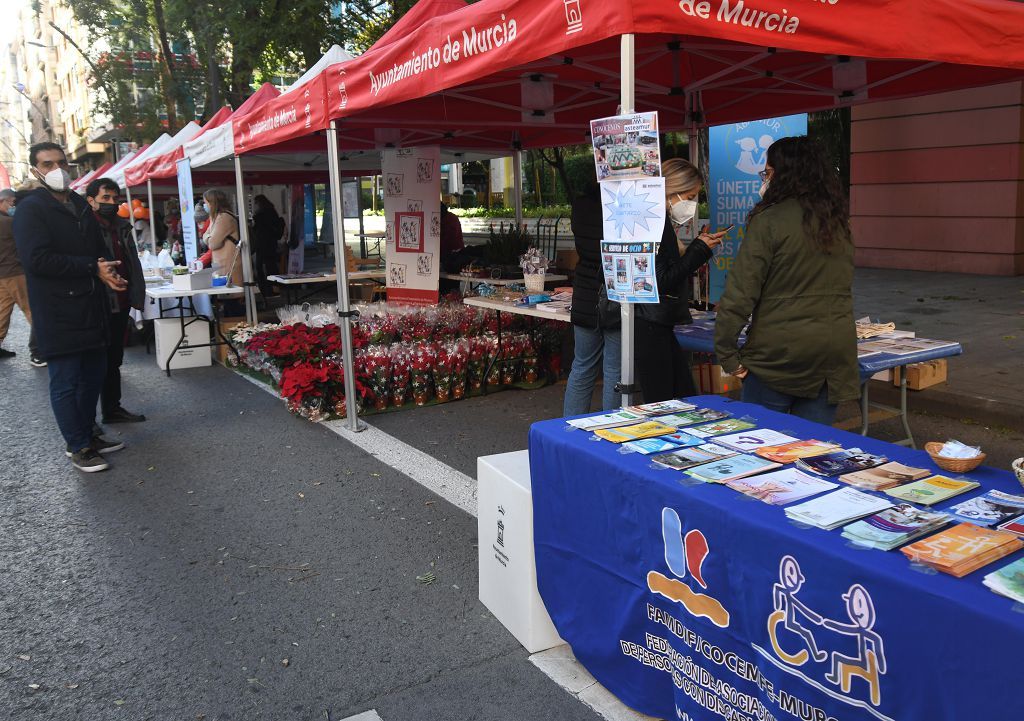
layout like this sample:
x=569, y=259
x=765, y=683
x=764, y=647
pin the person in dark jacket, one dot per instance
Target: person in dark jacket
x=68, y=272
x=662, y=368
x=597, y=339
x=102, y=195
x=267, y=228
x=793, y=276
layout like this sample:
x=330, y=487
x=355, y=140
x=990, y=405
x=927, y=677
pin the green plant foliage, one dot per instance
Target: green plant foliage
x=506, y=244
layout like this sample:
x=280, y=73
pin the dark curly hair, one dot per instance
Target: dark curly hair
x=801, y=170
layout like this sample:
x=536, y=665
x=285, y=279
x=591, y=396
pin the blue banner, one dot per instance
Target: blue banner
x=309, y=224
x=736, y=155
x=188, y=210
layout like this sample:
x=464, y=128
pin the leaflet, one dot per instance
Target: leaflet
x=661, y=444
x=749, y=441
x=781, y=487
x=989, y=508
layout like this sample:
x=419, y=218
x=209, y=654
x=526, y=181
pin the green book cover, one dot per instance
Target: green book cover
x=929, y=491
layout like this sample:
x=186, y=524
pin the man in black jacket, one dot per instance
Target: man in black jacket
x=68, y=272
x=102, y=195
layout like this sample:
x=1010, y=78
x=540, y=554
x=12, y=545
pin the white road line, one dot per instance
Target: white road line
x=457, y=488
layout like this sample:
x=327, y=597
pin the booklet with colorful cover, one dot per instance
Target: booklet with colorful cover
x=689, y=418
x=689, y=457
x=894, y=526
x=962, y=549
x=621, y=434
x=605, y=420
x=840, y=462
x=1008, y=581
x=750, y=441
x=929, y=491
x=1014, y=525
x=661, y=444
x=989, y=508
x=732, y=468
x=781, y=487
x=837, y=508
x=720, y=428
x=660, y=408
x=885, y=476
x=791, y=452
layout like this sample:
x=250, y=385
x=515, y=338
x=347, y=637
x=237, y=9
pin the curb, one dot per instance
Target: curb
x=947, y=402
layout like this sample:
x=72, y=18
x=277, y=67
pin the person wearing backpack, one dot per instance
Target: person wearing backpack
x=221, y=238
x=267, y=229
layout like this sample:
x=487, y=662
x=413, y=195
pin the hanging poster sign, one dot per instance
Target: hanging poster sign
x=629, y=271
x=626, y=146
x=737, y=155
x=412, y=198
x=188, y=210
x=633, y=209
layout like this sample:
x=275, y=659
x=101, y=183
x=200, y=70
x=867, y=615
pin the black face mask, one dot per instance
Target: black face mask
x=107, y=210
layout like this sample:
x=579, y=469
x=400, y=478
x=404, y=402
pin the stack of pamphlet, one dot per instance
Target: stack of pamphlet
x=781, y=487
x=720, y=428
x=885, y=476
x=731, y=469
x=962, y=549
x=680, y=419
x=840, y=462
x=750, y=441
x=621, y=434
x=661, y=407
x=837, y=508
x=1015, y=526
x=791, y=452
x=1008, y=581
x=661, y=444
x=989, y=509
x=929, y=491
x=689, y=457
x=606, y=420
x=894, y=526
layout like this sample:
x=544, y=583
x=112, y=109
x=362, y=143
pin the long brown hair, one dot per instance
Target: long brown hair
x=801, y=170
x=217, y=200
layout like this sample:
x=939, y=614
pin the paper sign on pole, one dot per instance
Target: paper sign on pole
x=629, y=271
x=626, y=146
x=737, y=155
x=412, y=212
x=188, y=210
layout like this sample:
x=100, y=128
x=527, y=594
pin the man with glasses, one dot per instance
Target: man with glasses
x=65, y=260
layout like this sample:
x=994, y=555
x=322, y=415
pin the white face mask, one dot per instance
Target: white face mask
x=56, y=180
x=763, y=189
x=683, y=211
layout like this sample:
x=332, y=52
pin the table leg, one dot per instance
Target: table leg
x=865, y=407
x=181, y=320
x=497, y=355
x=909, y=440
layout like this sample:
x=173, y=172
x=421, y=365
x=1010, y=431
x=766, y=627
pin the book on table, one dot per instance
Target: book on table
x=720, y=428
x=894, y=526
x=621, y=434
x=837, y=508
x=685, y=458
x=681, y=419
x=606, y=420
x=749, y=441
x=661, y=444
x=1008, y=581
x=781, y=487
x=989, y=509
x=962, y=549
x=791, y=452
x=840, y=462
x=1014, y=525
x=885, y=476
x=661, y=408
x=732, y=468
x=929, y=491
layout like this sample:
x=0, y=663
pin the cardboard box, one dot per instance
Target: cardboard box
x=199, y=280
x=167, y=331
x=226, y=325
x=361, y=291
x=711, y=379
x=567, y=259
x=922, y=375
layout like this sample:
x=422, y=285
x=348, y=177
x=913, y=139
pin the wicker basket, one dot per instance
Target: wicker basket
x=534, y=282
x=954, y=465
x=1018, y=469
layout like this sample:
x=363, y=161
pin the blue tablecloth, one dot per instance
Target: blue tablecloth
x=700, y=338
x=609, y=528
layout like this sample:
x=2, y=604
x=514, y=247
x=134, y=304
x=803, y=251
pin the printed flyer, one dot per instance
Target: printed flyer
x=629, y=271
x=626, y=146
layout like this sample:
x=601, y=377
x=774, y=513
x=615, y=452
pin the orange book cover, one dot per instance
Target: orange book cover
x=791, y=452
x=958, y=545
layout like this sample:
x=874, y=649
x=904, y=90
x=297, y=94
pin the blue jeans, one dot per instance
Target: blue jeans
x=591, y=345
x=75, y=383
x=817, y=410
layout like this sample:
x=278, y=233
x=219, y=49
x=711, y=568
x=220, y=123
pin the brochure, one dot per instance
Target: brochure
x=720, y=428
x=689, y=457
x=1014, y=525
x=837, y=508
x=962, y=549
x=689, y=418
x=840, y=462
x=894, y=526
x=989, y=509
x=885, y=476
x=626, y=146
x=929, y=491
x=781, y=487
x=664, y=443
x=1008, y=581
x=791, y=452
x=621, y=434
x=605, y=420
x=751, y=440
x=732, y=468
x=660, y=408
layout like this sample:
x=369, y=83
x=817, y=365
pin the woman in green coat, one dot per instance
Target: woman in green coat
x=792, y=279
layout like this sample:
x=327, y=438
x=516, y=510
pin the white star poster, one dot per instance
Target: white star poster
x=633, y=210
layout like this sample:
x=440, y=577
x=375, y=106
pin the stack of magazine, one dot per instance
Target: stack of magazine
x=989, y=509
x=606, y=420
x=840, y=462
x=836, y=509
x=962, y=549
x=660, y=408
x=661, y=444
x=791, y=452
x=720, y=428
x=689, y=457
x=621, y=434
x=1008, y=581
x=679, y=419
x=894, y=526
x=883, y=477
x=781, y=487
x=731, y=469
x=929, y=491
x=750, y=441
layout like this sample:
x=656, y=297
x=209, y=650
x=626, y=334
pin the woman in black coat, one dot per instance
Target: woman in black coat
x=267, y=228
x=662, y=368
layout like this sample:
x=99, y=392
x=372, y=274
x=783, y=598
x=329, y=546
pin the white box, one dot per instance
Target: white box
x=508, y=571
x=167, y=331
x=199, y=280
